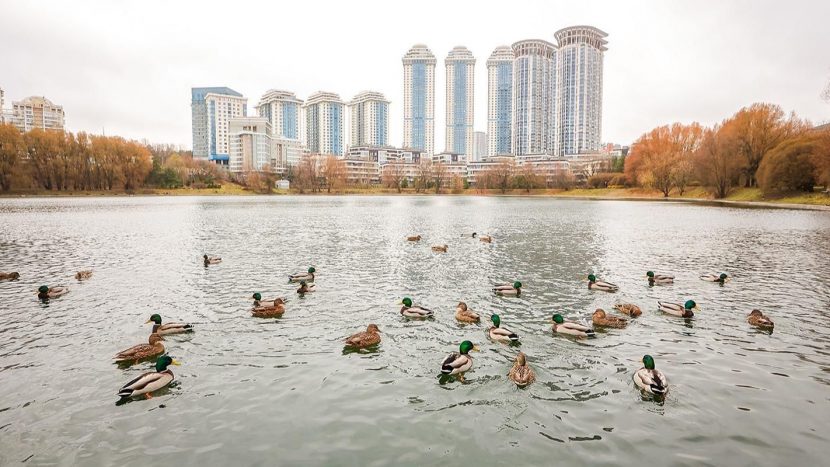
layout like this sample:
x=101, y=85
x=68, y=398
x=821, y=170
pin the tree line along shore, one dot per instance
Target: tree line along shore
x=758, y=154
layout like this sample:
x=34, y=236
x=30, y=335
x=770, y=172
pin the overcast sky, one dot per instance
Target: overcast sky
x=128, y=66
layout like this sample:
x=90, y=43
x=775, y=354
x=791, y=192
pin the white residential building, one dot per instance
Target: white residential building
x=419, y=99
x=534, y=98
x=369, y=115
x=211, y=109
x=479, y=145
x=36, y=112
x=324, y=116
x=460, y=107
x=284, y=113
x=251, y=145
x=579, y=87
x=499, y=100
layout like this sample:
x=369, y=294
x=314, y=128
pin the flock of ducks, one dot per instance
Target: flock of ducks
x=648, y=379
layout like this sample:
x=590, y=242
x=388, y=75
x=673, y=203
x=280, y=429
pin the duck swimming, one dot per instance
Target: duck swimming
x=571, y=328
x=676, y=309
x=307, y=276
x=457, y=363
x=508, y=289
x=142, y=351
x=659, y=279
x=594, y=284
x=169, y=328
x=413, y=238
x=486, y=239
x=439, y=248
x=465, y=315
x=149, y=382
x=758, y=319
x=629, y=309
x=271, y=309
x=367, y=338
x=305, y=288
x=650, y=379
x=719, y=278
x=411, y=311
x=9, y=276
x=208, y=260
x=500, y=334
x=599, y=318
x=83, y=275
x=521, y=373
x=44, y=292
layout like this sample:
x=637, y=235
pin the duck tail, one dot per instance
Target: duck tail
x=125, y=393
x=514, y=337
x=590, y=333
x=446, y=369
x=657, y=389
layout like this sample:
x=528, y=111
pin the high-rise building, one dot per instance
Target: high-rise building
x=419, y=99
x=460, y=65
x=479, y=145
x=251, y=144
x=284, y=113
x=579, y=88
x=324, y=115
x=534, y=98
x=369, y=112
x=36, y=112
x=211, y=109
x=499, y=100
x=2, y=106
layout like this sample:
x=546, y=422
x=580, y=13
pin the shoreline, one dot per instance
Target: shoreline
x=586, y=194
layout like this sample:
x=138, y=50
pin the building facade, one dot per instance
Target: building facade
x=499, y=100
x=419, y=99
x=480, y=144
x=324, y=114
x=36, y=112
x=251, y=145
x=284, y=112
x=369, y=115
x=534, y=98
x=460, y=108
x=211, y=110
x=579, y=67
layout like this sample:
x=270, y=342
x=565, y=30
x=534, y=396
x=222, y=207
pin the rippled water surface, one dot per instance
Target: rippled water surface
x=281, y=391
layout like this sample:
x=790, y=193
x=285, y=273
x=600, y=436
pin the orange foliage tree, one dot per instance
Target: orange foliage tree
x=661, y=157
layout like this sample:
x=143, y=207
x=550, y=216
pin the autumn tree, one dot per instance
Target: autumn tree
x=439, y=175
x=393, y=174
x=500, y=175
x=423, y=176
x=333, y=172
x=821, y=159
x=527, y=178
x=12, y=150
x=716, y=163
x=789, y=166
x=656, y=154
x=757, y=129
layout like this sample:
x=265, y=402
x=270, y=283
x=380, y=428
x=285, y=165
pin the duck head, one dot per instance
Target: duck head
x=558, y=319
x=648, y=362
x=466, y=347
x=372, y=328
x=155, y=318
x=496, y=320
x=164, y=361
x=407, y=302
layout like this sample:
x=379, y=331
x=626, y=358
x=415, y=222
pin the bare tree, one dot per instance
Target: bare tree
x=439, y=174
x=393, y=174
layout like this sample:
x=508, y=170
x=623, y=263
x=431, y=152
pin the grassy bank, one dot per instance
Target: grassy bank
x=739, y=195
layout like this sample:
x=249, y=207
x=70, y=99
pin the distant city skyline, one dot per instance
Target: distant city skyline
x=127, y=68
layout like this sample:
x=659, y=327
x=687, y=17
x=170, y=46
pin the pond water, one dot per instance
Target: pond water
x=282, y=391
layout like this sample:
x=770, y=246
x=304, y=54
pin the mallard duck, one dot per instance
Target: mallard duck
x=149, y=382
x=414, y=238
x=9, y=276
x=676, y=309
x=413, y=311
x=486, y=239
x=719, y=278
x=508, y=289
x=439, y=248
x=305, y=288
x=169, y=328
x=270, y=309
x=570, y=328
x=457, y=363
x=599, y=318
x=83, y=275
x=650, y=379
x=464, y=314
x=594, y=284
x=211, y=260
x=44, y=292
x=659, y=279
x=756, y=318
x=500, y=334
x=629, y=309
x=521, y=373
x=258, y=301
x=367, y=338
x=142, y=351
x=306, y=276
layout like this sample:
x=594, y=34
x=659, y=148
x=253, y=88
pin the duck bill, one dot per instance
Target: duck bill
x=476, y=349
x=148, y=321
x=176, y=362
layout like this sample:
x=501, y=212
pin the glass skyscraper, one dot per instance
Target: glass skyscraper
x=419, y=99
x=499, y=100
x=211, y=108
x=460, y=109
x=534, y=98
x=324, y=124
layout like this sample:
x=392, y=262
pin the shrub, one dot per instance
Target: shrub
x=601, y=180
x=788, y=167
